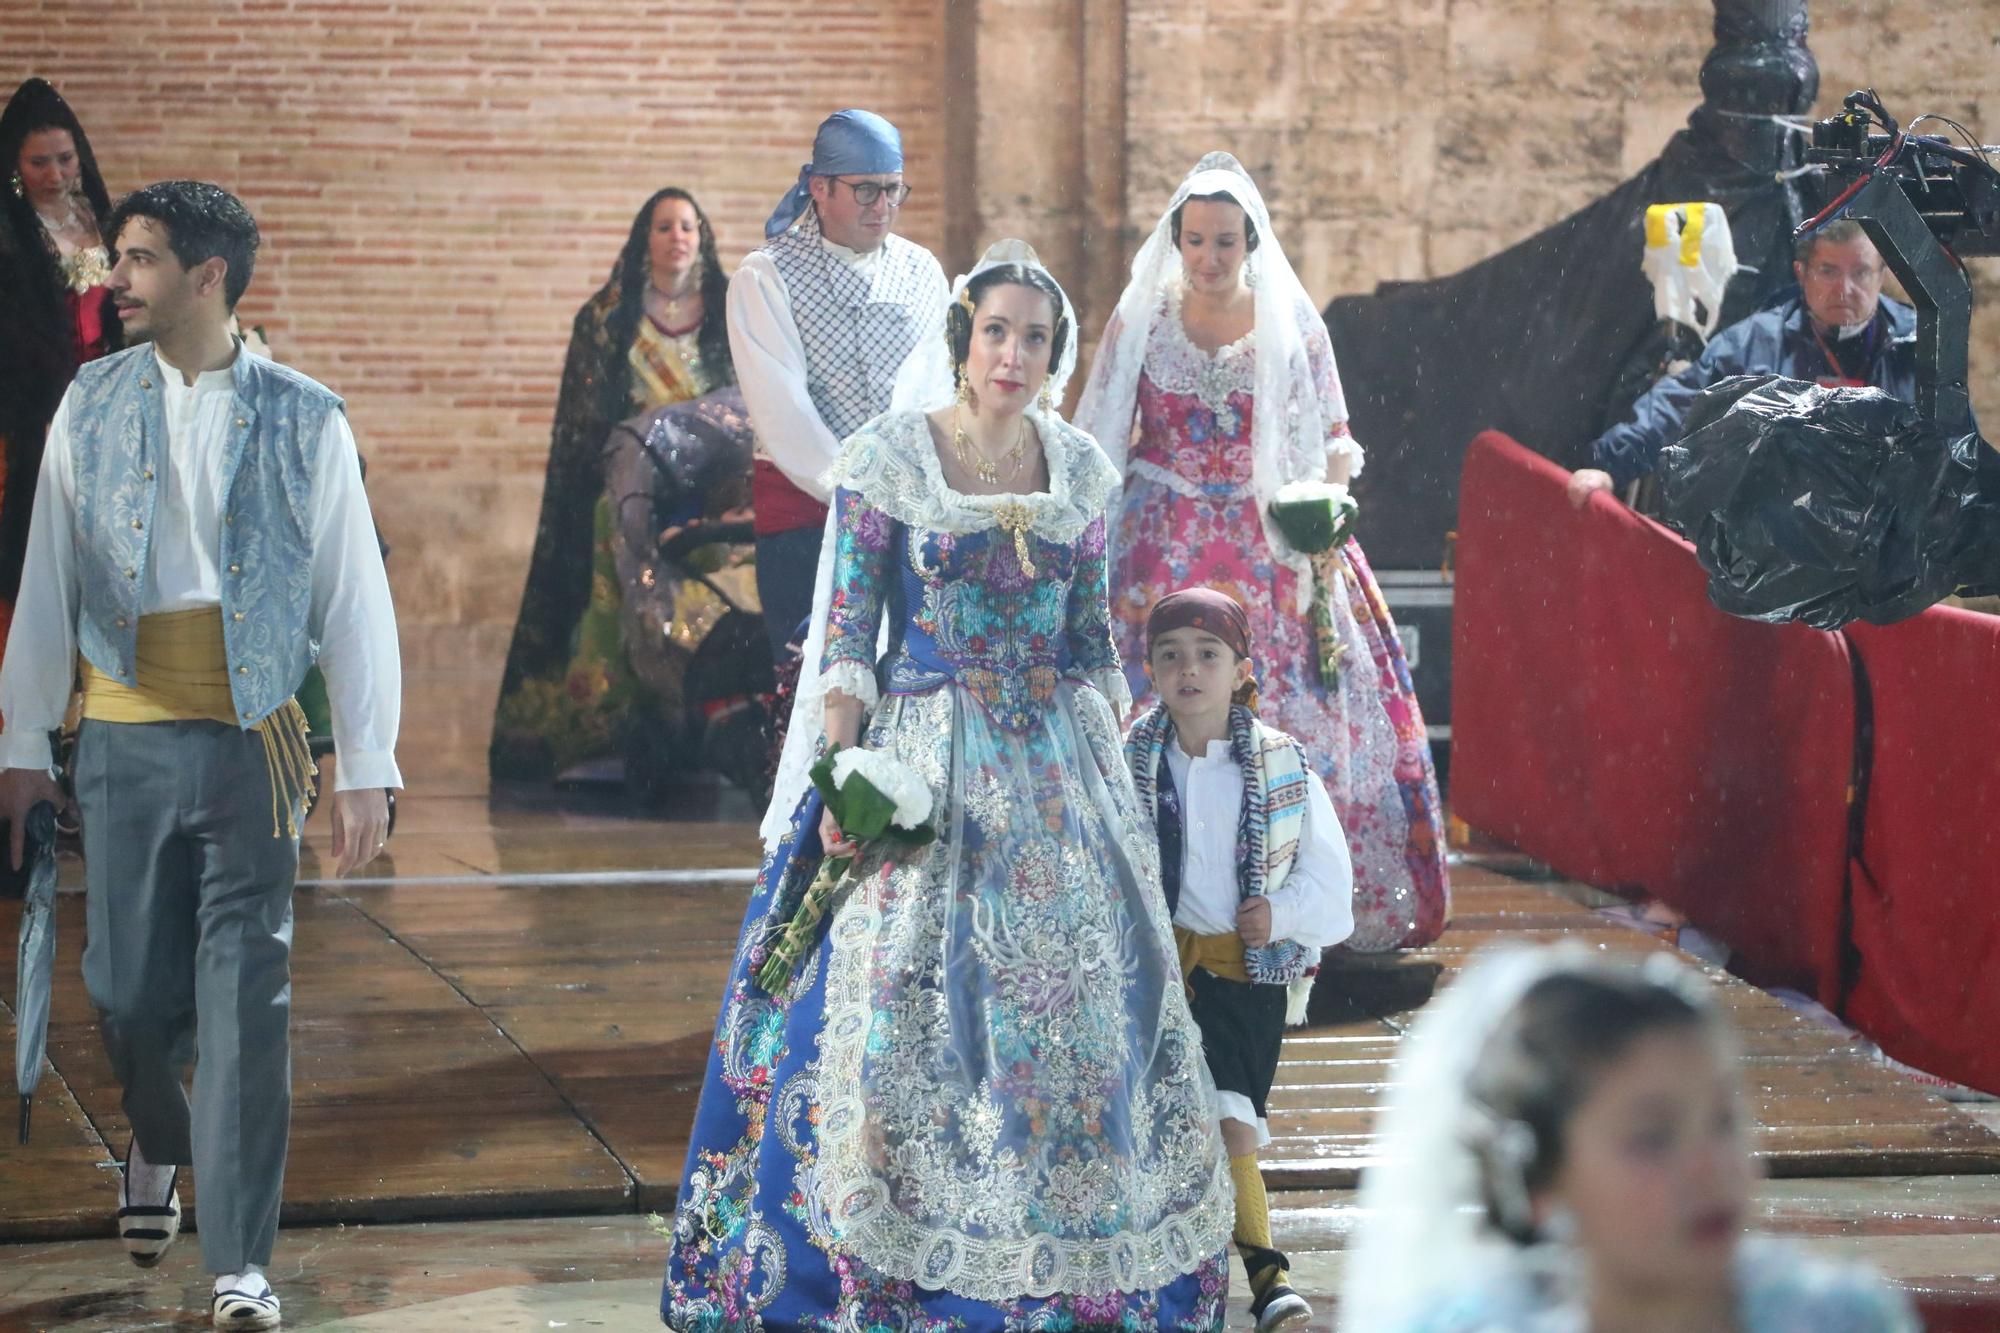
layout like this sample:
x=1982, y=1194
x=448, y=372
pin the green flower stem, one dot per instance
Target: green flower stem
x=801, y=933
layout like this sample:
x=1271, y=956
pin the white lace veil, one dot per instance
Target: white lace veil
x=1283, y=438
x=1423, y=1229
x=923, y=383
x=1423, y=1232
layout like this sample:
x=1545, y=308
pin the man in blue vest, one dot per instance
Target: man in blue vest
x=1839, y=330
x=820, y=320
x=200, y=537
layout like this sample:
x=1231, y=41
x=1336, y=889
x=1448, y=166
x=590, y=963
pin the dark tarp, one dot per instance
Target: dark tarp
x=1541, y=339
x=1831, y=505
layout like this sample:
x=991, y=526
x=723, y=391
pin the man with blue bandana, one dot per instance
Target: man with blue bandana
x=820, y=319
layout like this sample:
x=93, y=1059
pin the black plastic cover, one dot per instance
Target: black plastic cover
x=1830, y=505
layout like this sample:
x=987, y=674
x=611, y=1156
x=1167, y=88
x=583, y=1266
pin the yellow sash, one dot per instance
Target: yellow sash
x=1219, y=954
x=660, y=375
x=182, y=673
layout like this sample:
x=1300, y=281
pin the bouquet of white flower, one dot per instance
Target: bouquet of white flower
x=872, y=796
x=1314, y=516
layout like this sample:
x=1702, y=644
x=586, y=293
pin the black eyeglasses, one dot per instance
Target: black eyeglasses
x=866, y=193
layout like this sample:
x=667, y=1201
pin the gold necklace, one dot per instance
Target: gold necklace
x=970, y=459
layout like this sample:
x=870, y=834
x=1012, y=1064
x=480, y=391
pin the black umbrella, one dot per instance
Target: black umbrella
x=35, y=975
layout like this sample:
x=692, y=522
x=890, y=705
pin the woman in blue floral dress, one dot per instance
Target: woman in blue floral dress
x=979, y=1103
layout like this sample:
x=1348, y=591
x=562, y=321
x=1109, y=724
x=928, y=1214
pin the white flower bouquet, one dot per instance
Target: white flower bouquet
x=1314, y=516
x=873, y=796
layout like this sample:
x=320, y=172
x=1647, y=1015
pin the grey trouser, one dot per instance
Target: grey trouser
x=189, y=958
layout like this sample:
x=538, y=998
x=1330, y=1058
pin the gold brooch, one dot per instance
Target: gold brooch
x=1013, y=516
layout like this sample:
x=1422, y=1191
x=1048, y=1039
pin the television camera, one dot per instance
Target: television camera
x=1926, y=202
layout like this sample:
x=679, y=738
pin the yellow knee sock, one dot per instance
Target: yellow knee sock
x=1253, y=1209
x=1253, y=1226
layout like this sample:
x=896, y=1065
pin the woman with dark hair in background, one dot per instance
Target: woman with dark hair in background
x=55, y=313
x=653, y=335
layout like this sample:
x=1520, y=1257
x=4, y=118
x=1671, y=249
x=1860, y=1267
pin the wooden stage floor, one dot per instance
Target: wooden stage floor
x=514, y=1017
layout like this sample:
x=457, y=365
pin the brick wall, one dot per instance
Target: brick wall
x=440, y=185
x=1408, y=138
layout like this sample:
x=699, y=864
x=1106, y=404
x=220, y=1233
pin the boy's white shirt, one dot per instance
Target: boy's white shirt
x=1315, y=904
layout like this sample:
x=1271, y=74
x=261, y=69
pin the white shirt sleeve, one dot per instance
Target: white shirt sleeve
x=40, y=669
x=1315, y=905
x=353, y=619
x=770, y=361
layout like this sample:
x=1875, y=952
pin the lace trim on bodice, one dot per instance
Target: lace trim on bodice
x=1175, y=365
x=893, y=465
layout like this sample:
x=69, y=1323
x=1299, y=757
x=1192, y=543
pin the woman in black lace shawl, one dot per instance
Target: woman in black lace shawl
x=653, y=334
x=54, y=310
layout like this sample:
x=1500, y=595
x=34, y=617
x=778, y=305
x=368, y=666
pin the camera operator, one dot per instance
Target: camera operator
x=1840, y=331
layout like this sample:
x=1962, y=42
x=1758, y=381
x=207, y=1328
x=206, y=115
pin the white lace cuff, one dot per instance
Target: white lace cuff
x=852, y=679
x=1349, y=447
x=1111, y=683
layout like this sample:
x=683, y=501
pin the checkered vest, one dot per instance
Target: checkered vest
x=856, y=332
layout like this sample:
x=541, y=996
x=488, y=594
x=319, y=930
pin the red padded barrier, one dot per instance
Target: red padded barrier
x=1927, y=909
x=1611, y=723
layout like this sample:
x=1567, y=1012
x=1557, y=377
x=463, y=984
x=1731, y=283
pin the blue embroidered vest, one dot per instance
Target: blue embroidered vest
x=118, y=437
x=857, y=331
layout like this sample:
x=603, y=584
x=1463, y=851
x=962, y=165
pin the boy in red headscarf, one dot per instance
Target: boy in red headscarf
x=1257, y=880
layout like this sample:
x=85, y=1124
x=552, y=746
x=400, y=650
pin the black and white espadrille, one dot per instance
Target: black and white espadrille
x=148, y=1229
x=1280, y=1310
x=237, y=1308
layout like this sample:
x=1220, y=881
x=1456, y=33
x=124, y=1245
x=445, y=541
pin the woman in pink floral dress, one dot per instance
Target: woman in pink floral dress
x=1213, y=326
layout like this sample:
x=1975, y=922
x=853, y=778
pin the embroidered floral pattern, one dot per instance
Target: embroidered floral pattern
x=1006, y=629
x=974, y=1150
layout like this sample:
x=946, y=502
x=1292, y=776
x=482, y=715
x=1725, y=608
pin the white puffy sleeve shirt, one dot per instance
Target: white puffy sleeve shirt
x=1315, y=904
x=351, y=611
